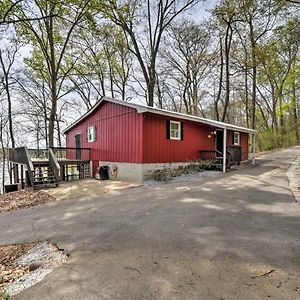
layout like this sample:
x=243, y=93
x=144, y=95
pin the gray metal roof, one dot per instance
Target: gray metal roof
x=143, y=109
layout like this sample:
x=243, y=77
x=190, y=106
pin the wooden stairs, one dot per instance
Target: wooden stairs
x=43, y=176
x=43, y=168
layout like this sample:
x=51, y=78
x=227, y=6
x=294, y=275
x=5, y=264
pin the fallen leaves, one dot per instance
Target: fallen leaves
x=22, y=199
x=9, y=271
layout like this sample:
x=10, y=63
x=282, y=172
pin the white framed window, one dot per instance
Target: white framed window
x=175, y=130
x=91, y=134
x=236, y=138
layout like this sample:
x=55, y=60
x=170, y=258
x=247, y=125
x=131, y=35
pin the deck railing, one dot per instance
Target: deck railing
x=21, y=155
x=215, y=155
x=39, y=154
x=69, y=153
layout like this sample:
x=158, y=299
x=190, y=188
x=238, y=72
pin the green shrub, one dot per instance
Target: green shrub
x=274, y=139
x=4, y=295
x=167, y=173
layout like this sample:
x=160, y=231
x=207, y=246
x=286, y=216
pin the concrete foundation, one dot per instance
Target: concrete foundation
x=135, y=172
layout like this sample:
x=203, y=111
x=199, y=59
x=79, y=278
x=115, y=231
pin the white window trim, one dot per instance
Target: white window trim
x=238, y=136
x=179, y=130
x=92, y=134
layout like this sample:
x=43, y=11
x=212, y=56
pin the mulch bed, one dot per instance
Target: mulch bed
x=9, y=271
x=23, y=199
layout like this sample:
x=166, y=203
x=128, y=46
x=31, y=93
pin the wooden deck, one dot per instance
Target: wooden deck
x=64, y=162
x=41, y=167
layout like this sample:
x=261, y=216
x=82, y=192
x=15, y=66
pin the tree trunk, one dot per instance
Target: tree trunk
x=53, y=85
x=220, y=81
x=9, y=107
x=228, y=39
x=52, y=116
x=294, y=108
x=9, y=104
x=246, y=93
x=3, y=155
x=150, y=90
x=38, y=128
x=254, y=76
x=46, y=126
x=58, y=133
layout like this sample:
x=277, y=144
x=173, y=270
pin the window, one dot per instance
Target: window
x=91, y=134
x=175, y=130
x=236, y=138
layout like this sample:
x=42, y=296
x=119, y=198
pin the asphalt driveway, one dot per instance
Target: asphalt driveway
x=199, y=240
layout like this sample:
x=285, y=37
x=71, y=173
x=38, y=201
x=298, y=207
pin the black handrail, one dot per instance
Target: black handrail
x=71, y=148
x=71, y=153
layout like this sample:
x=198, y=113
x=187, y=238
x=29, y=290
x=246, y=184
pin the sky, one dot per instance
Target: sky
x=199, y=13
x=204, y=9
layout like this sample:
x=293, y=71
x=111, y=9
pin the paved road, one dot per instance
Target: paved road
x=200, y=240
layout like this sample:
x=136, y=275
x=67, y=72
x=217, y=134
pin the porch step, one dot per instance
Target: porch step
x=87, y=171
x=44, y=177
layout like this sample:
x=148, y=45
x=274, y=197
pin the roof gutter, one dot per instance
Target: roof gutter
x=212, y=123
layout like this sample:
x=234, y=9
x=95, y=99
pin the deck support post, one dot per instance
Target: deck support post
x=253, y=148
x=10, y=173
x=22, y=177
x=224, y=149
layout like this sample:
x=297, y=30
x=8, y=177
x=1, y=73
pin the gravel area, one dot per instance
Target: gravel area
x=194, y=176
x=40, y=261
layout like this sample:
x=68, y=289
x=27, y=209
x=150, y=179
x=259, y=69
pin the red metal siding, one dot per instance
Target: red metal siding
x=158, y=149
x=118, y=134
x=245, y=146
x=243, y=142
x=124, y=135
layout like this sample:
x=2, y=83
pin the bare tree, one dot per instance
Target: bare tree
x=188, y=55
x=8, y=53
x=51, y=36
x=145, y=24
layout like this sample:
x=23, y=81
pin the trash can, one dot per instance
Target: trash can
x=8, y=188
x=236, y=153
x=103, y=172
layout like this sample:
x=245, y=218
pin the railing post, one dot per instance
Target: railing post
x=253, y=148
x=54, y=165
x=224, y=149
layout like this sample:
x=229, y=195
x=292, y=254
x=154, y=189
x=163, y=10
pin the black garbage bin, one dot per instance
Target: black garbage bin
x=236, y=154
x=8, y=188
x=103, y=172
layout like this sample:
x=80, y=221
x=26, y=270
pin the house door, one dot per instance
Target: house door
x=78, y=146
x=219, y=141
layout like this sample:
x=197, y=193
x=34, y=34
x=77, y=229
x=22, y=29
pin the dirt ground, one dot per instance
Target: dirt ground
x=69, y=190
x=88, y=188
x=234, y=236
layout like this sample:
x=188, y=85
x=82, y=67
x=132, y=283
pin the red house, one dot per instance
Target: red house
x=135, y=139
